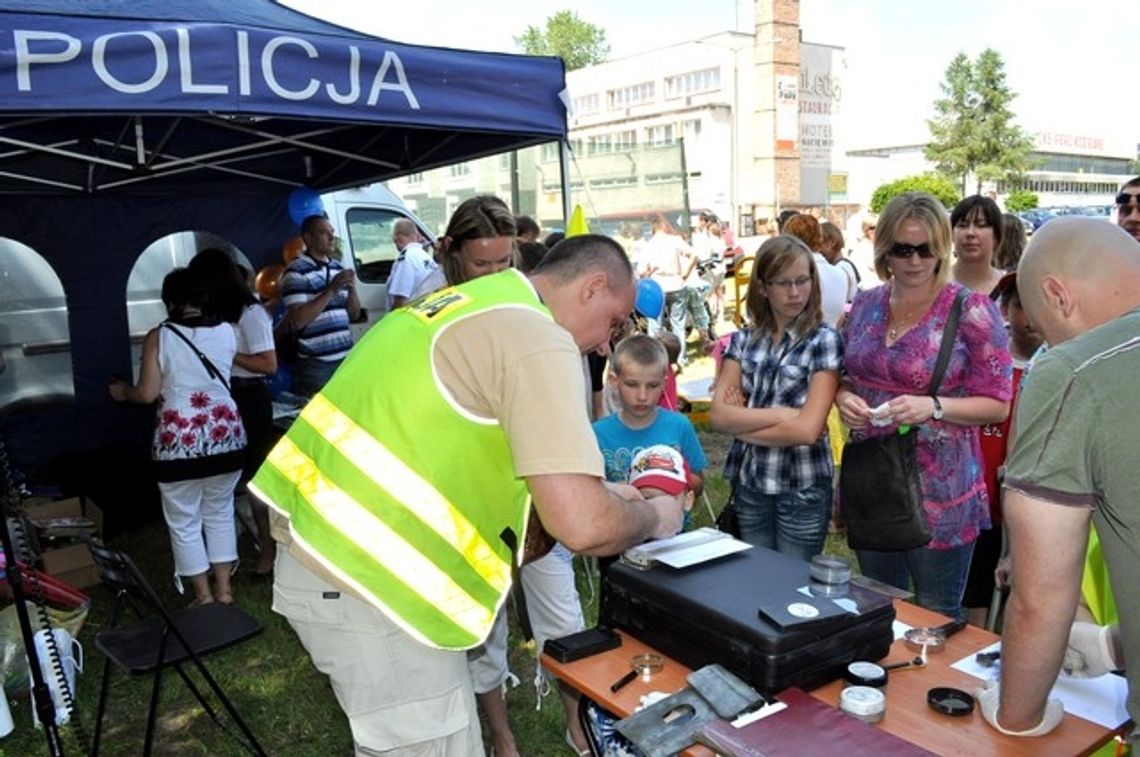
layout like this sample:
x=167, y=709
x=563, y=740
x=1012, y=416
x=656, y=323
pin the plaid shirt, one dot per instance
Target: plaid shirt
x=778, y=376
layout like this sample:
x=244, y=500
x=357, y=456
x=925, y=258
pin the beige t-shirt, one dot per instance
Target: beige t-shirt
x=524, y=370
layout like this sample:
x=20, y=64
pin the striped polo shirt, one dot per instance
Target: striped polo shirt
x=328, y=336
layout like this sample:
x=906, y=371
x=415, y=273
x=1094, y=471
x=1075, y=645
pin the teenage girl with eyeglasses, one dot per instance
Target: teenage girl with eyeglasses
x=776, y=385
x=892, y=339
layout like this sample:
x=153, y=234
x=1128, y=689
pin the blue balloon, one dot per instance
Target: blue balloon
x=305, y=202
x=650, y=299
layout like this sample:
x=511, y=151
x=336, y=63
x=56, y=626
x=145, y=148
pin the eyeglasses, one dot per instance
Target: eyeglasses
x=788, y=284
x=1124, y=199
x=904, y=250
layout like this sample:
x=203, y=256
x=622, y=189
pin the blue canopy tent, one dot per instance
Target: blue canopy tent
x=122, y=122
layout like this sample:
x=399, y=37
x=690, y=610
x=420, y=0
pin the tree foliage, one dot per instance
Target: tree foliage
x=577, y=42
x=973, y=129
x=1021, y=199
x=932, y=183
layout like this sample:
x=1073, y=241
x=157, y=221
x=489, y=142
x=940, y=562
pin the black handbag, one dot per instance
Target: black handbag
x=880, y=495
x=728, y=521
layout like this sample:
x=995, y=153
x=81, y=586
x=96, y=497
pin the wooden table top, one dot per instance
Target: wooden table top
x=908, y=715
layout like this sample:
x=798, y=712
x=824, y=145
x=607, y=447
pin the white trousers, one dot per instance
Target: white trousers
x=554, y=609
x=200, y=515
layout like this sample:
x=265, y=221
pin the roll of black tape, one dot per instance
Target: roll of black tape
x=861, y=673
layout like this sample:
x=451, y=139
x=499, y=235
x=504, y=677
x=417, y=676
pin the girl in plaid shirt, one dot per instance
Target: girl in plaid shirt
x=776, y=386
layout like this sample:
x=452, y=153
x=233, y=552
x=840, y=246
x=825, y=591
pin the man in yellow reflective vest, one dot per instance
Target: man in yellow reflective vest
x=401, y=494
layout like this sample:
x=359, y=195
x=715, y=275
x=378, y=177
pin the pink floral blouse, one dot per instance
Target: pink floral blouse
x=949, y=455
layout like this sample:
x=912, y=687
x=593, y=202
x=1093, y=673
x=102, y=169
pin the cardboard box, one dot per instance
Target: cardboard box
x=72, y=565
x=64, y=517
x=66, y=520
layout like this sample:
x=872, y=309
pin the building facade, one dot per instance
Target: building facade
x=741, y=123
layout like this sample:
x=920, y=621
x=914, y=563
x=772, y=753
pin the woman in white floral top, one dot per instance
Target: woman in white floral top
x=199, y=440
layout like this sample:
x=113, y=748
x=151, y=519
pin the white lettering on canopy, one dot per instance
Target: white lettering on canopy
x=99, y=62
x=353, y=80
x=186, y=69
x=243, y=63
x=25, y=57
x=271, y=78
x=62, y=48
x=392, y=60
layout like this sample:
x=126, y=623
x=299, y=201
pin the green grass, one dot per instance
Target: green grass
x=289, y=706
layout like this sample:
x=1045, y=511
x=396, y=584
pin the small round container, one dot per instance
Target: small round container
x=829, y=591
x=647, y=664
x=863, y=702
x=863, y=673
x=828, y=569
x=953, y=702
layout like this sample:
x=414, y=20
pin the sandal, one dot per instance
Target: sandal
x=587, y=752
x=224, y=597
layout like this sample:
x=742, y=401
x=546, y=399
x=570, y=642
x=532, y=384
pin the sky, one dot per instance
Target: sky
x=1072, y=64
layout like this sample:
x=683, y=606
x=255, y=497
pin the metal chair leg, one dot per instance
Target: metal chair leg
x=102, y=707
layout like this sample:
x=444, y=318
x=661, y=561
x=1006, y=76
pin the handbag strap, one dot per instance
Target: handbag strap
x=210, y=368
x=948, y=334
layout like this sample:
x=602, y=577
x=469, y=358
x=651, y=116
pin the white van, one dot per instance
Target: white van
x=35, y=344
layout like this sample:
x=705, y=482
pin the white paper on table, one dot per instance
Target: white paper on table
x=845, y=603
x=1100, y=700
x=686, y=549
x=899, y=629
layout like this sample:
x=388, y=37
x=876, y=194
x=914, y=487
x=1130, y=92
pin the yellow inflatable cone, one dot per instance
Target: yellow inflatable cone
x=577, y=223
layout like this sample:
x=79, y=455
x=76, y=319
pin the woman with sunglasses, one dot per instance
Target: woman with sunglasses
x=892, y=341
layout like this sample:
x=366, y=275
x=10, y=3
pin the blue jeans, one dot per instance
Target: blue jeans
x=794, y=523
x=939, y=574
x=678, y=306
x=311, y=374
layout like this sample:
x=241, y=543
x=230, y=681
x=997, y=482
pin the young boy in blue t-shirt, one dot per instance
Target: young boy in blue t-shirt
x=637, y=373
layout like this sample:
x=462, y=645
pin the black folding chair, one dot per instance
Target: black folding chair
x=159, y=638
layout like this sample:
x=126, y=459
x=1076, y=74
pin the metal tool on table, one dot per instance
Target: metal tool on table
x=932, y=640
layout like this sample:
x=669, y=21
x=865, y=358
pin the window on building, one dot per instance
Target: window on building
x=663, y=178
x=459, y=169
x=416, y=178
x=631, y=95
x=599, y=144
x=660, y=135
x=690, y=132
x=691, y=82
x=586, y=104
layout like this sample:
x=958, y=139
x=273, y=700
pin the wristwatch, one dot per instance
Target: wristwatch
x=937, y=409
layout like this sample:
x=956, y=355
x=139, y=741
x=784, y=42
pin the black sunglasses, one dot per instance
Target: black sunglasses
x=1124, y=198
x=904, y=250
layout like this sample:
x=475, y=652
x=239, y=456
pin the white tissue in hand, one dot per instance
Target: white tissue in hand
x=881, y=415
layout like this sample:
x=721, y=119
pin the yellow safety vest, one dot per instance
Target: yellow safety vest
x=397, y=490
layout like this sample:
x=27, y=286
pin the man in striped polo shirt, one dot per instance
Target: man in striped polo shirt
x=320, y=295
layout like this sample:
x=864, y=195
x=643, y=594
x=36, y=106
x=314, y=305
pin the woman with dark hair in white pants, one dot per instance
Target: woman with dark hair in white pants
x=199, y=441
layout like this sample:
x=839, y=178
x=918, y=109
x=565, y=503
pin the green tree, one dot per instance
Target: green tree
x=577, y=42
x=932, y=183
x=1021, y=199
x=973, y=129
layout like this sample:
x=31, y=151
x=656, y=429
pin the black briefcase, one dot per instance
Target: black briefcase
x=755, y=613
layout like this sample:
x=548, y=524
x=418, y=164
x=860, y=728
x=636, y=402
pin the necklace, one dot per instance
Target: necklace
x=901, y=324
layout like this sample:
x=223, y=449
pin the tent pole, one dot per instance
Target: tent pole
x=564, y=172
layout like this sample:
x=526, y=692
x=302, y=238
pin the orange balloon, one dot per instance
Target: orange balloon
x=268, y=281
x=292, y=249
